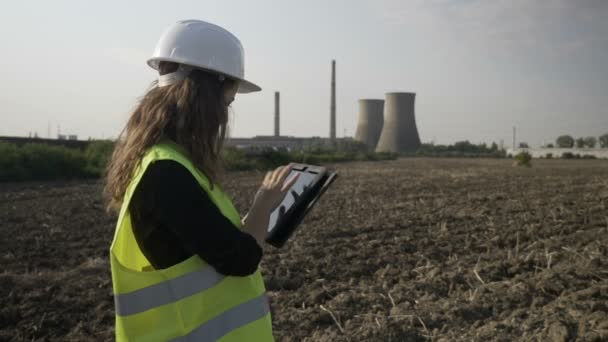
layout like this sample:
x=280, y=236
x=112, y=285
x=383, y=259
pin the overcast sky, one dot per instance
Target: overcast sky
x=479, y=67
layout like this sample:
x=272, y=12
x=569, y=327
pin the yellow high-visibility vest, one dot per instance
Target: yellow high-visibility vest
x=189, y=301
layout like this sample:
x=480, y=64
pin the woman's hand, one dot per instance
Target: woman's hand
x=269, y=196
x=274, y=188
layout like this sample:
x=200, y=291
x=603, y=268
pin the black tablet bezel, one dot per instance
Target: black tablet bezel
x=288, y=223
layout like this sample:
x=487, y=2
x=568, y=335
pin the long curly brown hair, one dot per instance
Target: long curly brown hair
x=193, y=113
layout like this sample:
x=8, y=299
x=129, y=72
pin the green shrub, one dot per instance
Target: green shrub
x=549, y=156
x=44, y=162
x=460, y=149
x=567, y=155
x=98, y=154
x=40, y=162
x=10, y=162
x=270, y=159
x=523, y=159
x=266, y=159
x=235, y=160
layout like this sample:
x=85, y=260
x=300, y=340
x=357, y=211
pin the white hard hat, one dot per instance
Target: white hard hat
x=199, y=44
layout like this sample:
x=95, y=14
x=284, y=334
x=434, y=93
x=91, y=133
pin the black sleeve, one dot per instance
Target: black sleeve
x=183, y=207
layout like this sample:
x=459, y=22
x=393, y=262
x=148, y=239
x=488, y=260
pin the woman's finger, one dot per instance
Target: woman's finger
x=284, y=173
x=267, y=178
x=275, y=174
x=290, y=182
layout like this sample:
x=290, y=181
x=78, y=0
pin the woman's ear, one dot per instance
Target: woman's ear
x=167, y=67
x=230, y=91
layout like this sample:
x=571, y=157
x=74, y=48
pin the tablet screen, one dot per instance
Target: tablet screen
x=305, y=180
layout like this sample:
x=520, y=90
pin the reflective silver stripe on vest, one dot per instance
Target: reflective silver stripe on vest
x=229, y=320
x=166, y=292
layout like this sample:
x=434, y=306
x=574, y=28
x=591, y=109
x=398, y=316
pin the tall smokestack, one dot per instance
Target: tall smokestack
x=277, y=114
x=332, y=124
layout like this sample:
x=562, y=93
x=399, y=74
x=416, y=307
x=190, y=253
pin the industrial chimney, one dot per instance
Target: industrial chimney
x=332, y=124
x=277, y=114
x=370, y=122
x=399, y=133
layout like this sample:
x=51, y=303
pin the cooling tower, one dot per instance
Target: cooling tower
x=399, y=133
x=370, y=122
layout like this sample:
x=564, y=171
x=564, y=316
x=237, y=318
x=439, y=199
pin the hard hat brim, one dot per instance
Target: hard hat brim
x=245, y=86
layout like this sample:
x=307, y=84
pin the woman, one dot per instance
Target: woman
x=184, y=266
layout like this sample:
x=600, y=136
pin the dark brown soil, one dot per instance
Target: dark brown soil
x=407, y=250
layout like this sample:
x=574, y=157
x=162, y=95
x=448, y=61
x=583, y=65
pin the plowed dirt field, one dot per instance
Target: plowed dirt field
x=406, y=250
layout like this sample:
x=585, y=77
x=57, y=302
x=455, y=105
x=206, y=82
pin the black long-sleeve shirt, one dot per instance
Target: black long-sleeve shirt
x=173, y=218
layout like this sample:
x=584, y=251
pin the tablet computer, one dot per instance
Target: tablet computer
x=312, y=183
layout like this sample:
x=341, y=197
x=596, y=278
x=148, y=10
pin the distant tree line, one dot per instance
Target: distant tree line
x=45, y=162
x=38, y=161
x=460, y=149
x=567, y=141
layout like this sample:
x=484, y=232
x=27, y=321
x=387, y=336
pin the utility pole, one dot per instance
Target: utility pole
x=514, y=137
